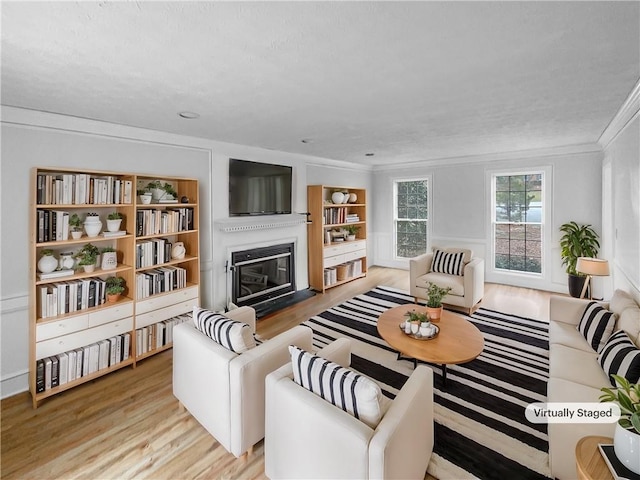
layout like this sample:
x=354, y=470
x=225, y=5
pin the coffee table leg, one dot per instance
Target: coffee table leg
x=444, y=374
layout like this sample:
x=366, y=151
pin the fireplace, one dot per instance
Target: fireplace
x=262, y=274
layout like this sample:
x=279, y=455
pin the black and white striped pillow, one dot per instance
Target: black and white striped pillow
x=340, y=386
x=596, y=325
x=621, y=357
x=451, y=263
x=231, y=334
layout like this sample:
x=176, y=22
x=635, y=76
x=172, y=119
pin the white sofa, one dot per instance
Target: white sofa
x=224, y=391
x=307, y=437
x=576, y=376
x=466, y=290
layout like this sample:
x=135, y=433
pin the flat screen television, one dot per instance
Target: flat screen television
x=258, y=188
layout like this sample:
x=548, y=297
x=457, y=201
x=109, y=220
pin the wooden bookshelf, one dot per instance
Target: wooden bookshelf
x=57, y=327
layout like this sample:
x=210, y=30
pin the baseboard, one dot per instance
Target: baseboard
x=14, y=384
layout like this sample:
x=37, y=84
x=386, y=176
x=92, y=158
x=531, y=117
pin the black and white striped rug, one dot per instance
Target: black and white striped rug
x=480, y=426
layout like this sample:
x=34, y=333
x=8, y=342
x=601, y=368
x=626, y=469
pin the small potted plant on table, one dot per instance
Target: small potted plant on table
x=435, y=294
x=114, y=288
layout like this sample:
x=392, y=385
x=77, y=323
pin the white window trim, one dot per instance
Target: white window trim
x=523, y=279
x=394, y=182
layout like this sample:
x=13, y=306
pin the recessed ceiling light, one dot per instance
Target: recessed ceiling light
x=189, y=115
x=369, y=154
x=307, y=140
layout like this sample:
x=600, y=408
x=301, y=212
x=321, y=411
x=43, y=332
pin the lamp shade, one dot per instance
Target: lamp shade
x=593, y=266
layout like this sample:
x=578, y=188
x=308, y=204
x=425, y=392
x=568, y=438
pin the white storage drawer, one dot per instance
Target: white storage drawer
x=110, y=314
x=160, y=301
x=82, y=338
x=44, y=331
x=344, y=247
x=161, y=314
x=354, y=255
x=333, y=261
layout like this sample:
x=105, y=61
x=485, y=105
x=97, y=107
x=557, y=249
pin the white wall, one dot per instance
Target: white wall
x=460, y=209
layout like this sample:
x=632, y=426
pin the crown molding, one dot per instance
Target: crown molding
x=627, y=112
x=584, y=148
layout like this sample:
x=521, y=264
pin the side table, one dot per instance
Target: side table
x=589, y=462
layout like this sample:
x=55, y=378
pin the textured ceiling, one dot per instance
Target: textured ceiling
x=407, y=81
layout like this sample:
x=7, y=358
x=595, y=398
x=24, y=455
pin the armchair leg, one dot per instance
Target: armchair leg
x=415, y=299
x=245, y=456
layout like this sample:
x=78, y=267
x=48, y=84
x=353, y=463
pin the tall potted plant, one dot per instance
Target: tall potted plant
x=577, y=241
x=435, y=294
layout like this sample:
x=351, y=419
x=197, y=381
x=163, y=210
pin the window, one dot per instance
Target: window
x=411, y=217
x=517, y=220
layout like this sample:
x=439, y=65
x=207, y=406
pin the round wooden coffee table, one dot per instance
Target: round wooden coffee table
x=459, y=340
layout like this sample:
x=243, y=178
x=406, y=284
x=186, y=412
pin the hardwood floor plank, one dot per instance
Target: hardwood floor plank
x=128, y=424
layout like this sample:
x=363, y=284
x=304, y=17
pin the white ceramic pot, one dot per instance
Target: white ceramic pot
x=626, y=445
x=157, y=193
x=145, y=199
x=351, y=238
x=109, y=260
x=93, y=227
x=353, y=198
x=76, y=234
x=425, y=329
x=407, y=327
x=178, y=251
x=47, y=264
x=66, y=261
x=415, y=327
x=114, y=225
x=337, y=197
x=89, y=268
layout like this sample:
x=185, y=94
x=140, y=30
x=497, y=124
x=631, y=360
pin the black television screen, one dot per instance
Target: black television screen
x=258, y=188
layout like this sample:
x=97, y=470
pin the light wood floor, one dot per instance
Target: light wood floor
x=127, y=424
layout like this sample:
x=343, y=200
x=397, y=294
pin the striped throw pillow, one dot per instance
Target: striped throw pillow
x=596, y=325
x=231, y=334
x=450, y=263
x=340, y=386
x=620, y=357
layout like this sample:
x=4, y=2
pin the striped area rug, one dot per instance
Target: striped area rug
x=480, y=427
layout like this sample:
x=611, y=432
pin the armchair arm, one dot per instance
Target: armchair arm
x=473, y=282
x=567, y=309
x=409, y=421
x=338, y=351
x=419, y=266
x=245, y=315
x=247, y=374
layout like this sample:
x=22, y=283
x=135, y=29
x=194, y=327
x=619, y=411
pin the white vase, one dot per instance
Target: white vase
x=145, y=199
x=415, y=327
x=157, y=193
x=109, y=260
x=89, y=268
x=47, y=264
x=337, y=197
x=178, y=251
x=351, y=238
x=92, y=226
x=66, y=261
x=76, y=234
x=425, y=329
x=114, y=225
x=352, y=198
x=626, y=445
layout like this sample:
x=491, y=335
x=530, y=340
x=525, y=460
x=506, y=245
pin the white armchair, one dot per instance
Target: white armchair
x=224, y=391
x=308, y=437
x=466, y=290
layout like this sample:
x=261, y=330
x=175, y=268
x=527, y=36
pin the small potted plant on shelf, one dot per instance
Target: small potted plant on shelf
x=626, y=439
x=114, y=288
x=114, y=219
x=435, y=294
x=75, y=224
x=352, y=230
x=109, y=258
x=162, y=191
x=87, y=257
x=145, y=196
x=47, y=262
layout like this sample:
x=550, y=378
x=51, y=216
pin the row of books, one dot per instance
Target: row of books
x=52, y=225
x=334, y=216
x=343, y=271
x=66, y=367
x=153, y=252
x=81, y=189
x=70, y=296
x=159, y=280
x=157, y=335
x=154, y=222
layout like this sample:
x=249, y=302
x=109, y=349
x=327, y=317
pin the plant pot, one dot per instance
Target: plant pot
x=114, y=225
x=415, y=327
x=76, y=234
x=576, y=283
x=47, y=264
x=434, y=313
x=626, y=445
x=93, y=227
x=113, y=297
x=89, y=268
x=145, y=199
x=351, y=238
x=109, y=260
x=157, y=193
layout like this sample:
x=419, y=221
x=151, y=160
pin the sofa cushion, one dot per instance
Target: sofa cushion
x=340, y=386
x=567, y=334
x=449, y=263
x=468, y=254
x=231, y=334
x=621, y=357
x=596, y=325
x=442, y=280
x=628, y=314
x=577, y=366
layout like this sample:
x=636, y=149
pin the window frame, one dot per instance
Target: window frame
x=429, y=221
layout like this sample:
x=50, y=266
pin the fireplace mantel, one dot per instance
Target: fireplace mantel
x=243, y=224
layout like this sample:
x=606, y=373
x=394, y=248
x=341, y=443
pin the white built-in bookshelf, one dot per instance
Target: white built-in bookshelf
x=76, y=335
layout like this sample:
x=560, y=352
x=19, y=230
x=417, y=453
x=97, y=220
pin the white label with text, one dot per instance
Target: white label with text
x=587, y=412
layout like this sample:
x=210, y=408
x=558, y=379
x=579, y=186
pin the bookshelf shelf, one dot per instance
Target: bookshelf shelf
x=69, y=315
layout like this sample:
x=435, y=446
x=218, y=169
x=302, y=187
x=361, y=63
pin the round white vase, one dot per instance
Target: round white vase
x=178, y=251
x=114, y=225
x=66, y=261
x=109, y=260
x=337, y=197
x=47, y=264
x=353, y=198
x=626, y=445
x=93, y=227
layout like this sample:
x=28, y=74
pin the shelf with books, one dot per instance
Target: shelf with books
x=58, y=323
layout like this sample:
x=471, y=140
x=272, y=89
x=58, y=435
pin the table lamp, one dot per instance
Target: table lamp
x=592, y=267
